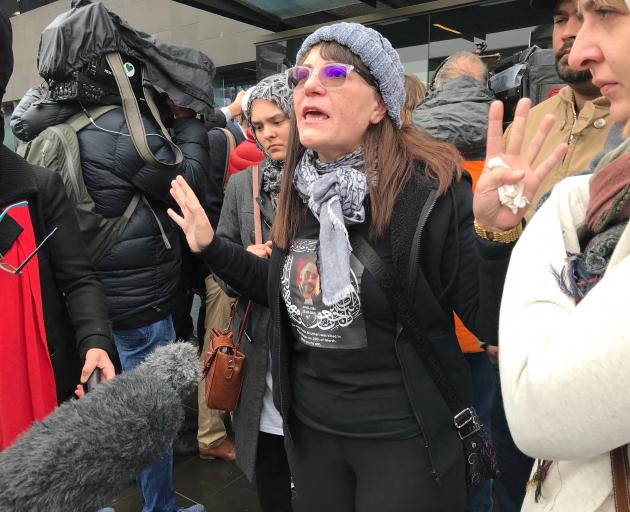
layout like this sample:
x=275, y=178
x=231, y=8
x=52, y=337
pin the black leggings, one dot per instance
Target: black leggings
x=342, y=474
x=272, y=476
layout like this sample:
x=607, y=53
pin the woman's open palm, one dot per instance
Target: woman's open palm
x=487, y=208
x=193, y=220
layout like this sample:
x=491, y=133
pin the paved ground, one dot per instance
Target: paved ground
x=218, y=485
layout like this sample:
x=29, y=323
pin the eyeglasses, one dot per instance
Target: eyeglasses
x=330, y=76
x=7, y=267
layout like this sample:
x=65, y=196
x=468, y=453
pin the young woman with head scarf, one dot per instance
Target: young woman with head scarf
x=258, y=432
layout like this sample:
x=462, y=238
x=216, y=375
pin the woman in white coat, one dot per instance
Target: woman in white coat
x=565, y=321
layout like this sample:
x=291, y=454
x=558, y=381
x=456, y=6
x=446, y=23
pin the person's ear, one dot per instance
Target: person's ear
x=379, y=112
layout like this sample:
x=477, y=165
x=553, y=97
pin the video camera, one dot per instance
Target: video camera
x=530, y=73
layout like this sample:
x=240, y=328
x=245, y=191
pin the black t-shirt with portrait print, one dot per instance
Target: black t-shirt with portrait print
x=345, y=373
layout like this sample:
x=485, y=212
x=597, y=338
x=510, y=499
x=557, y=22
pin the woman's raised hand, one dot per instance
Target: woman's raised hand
x=487, y=208
x=193, y=220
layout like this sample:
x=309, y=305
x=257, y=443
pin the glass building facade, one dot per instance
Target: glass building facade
x=424, y=39
x=423, y=32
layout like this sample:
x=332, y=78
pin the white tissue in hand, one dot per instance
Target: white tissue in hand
x=496, y=161
x=509, y=195
x=512, y=196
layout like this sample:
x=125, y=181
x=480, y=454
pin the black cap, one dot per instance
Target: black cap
x=545, y=5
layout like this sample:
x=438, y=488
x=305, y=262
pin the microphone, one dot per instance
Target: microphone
x=81, y=456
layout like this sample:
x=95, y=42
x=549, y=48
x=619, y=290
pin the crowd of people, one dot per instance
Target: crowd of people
x=435, y=298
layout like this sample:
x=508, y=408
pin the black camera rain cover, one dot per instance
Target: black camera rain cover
x=89, y=30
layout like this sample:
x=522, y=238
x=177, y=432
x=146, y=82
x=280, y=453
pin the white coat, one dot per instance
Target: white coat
x=565, y=368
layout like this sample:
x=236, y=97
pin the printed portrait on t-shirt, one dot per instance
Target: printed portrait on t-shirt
x=308, y=280
x=340, y=326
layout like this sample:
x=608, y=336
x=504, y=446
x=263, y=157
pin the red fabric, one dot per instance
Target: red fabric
x=245, y=155
x=553, y=92
x=27, y=382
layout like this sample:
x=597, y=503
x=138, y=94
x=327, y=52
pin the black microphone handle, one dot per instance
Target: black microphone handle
x=94, y=379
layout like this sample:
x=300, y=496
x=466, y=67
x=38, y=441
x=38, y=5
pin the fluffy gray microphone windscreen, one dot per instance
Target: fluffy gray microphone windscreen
x=82, y=455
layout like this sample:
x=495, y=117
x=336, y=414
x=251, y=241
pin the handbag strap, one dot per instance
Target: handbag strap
x=244, y=320
x=464, y=416
x=230, y=145
x=257, y=217
x=620, y=477
x=258, y=240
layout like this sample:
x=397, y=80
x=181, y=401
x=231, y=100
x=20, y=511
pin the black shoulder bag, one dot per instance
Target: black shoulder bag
x=478, y=449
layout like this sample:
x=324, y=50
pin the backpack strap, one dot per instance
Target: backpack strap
x=167, y=244
x=230, y=144
x=83, y=119
x=134, y=117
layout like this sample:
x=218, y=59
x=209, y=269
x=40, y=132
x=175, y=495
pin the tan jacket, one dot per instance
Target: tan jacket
x=585, y=133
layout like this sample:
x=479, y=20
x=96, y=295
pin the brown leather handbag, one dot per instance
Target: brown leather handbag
x=224, y=363
x=223, y=367
x=621, y=478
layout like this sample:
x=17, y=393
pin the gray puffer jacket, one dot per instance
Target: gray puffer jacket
x=457, y=113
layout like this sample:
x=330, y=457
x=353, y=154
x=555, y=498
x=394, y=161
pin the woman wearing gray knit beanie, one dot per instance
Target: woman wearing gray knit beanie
x=373, y=250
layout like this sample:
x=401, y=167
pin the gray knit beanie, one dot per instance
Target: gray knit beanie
x=377, y=54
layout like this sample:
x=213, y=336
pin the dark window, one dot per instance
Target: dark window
x=29, y=5
x=9, y=6
x=500, y=28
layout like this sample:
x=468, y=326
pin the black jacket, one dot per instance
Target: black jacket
x=67, y=277
x=430, y=235
x=217, y=142
x=140, y=273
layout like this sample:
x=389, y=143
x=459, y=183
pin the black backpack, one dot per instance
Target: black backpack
x=530, y=73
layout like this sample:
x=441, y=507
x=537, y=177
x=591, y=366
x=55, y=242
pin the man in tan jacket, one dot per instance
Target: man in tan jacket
x=581, y=113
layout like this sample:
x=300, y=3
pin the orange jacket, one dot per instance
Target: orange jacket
x=467, y=340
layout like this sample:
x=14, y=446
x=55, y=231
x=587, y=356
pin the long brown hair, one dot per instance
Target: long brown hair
x=389, y=154
x=414, y=95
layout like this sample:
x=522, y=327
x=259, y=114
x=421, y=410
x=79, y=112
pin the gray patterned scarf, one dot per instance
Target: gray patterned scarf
x=271, y=179
x=334, y=192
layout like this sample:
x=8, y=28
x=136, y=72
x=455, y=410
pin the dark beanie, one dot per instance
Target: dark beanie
x=6, y=52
